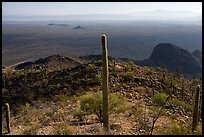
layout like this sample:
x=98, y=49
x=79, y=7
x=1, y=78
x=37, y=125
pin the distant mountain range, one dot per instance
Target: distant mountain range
x=52, y=62
x=53, y=24
x=79, y=28
x=145, y=15
x=164, y=55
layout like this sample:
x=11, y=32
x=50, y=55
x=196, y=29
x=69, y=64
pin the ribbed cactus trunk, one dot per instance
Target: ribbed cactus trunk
x=105, y=107
x=8, y=118
x=196, y=110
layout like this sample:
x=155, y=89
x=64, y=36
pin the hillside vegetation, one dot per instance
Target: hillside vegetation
x=64, y=100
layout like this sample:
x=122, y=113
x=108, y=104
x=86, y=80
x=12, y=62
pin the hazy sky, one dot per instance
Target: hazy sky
x=64, y=8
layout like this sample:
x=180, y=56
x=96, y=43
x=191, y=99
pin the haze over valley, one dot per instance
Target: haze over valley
x=22, y=40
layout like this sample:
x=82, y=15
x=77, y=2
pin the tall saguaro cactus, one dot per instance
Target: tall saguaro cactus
x=105, y=88
x=8, y=118
x=196, y=110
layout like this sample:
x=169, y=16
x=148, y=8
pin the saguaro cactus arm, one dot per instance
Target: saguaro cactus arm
x=105, y=87
x=196, y=110
x=8, y=118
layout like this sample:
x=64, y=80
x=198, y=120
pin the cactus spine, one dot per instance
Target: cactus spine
x=8, y=118
x=196, y=110
x=105, y=87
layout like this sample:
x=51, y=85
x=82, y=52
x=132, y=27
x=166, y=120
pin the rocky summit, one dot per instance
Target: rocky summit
x=174, y=59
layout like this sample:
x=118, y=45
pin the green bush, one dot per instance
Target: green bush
x=25, y=109
x=58, y=86
x=79, y=114
x=129, y=65
x=177, y=128
x=91, y=67
x=138, y=112
x=64, y=129
x=159, y=99
x=166, y=81
x=9, y=71
x=149, y=71
x=129, y=76
x=98, y=78
x=19, y=73
x=91, y=103
x=177, y=102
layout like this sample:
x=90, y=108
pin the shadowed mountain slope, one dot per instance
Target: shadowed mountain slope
x=174, y=59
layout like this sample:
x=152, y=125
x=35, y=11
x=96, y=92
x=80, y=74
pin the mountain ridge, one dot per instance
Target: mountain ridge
x=172, y=58
x=164, y=55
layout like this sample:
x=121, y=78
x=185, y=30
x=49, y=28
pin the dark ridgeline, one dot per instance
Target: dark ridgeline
x=197, y=54
x=53, y=62
x=174, y=59
x=79, y=28
x=62, y=25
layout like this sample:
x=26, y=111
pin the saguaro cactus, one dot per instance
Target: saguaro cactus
x=8, y=118
x=105, y=87
x=196, y=110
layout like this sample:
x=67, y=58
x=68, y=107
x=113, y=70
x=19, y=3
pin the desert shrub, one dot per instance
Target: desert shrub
x=29, y=113
x=9, y=70
x=62, y=98
x=79, y=114
x=129, y=76
x=129, y=65
x=189, y=107
x=45, y=81
x=177, y=102
x=98, y=78
x=91, y=103
x=159, y=69
x=10, y=83
x=80, y=89
x=25, y=109
x=149, y=71
x=57, y=86
x=176, y=128
x=91, y=67
x=166, y=82
x=117, y=104
x=5, y=93
x=64, y=129
x=19, y=73
x=195, y=82
x=100, y=62
x=138, y=111
x=173, y=82
x=159, y=99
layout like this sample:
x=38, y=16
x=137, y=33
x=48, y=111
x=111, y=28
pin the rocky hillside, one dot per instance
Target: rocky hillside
x=45, y=101
x=174, y=59
x=54, y=62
